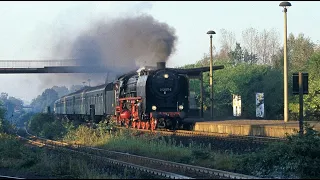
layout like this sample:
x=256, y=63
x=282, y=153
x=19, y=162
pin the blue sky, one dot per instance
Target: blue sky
x=29, y=29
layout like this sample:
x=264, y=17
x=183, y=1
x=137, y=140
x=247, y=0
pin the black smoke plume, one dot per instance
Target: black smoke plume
x=125, y=43
x=119, y=45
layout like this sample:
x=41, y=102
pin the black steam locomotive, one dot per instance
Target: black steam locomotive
x=149, y=98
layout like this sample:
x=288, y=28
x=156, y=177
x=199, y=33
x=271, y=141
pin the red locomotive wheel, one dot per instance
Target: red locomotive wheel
x=133, y=124
x=153, y=124
x=138, y=125
x=143, y=125
x=127, y=123
x=147, y=125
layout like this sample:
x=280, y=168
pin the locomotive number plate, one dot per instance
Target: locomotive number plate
x=165, y=89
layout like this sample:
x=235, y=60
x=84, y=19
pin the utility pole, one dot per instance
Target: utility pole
x=285, y=63
x=211, y=72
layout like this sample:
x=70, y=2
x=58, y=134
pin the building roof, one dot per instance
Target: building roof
x=198, y=71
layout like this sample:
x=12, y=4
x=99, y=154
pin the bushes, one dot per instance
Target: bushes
x=10, y=147
x=24, y=118
x=85, y=135
x=5, y=126
x=47, y=126
x=297, y=158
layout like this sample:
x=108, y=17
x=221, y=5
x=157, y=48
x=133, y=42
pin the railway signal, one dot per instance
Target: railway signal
x=300, y=86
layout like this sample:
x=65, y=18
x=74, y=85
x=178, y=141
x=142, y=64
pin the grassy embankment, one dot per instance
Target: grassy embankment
x=299, y=157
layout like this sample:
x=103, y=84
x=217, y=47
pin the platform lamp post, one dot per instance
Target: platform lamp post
x=211, y=71
x=285, y=4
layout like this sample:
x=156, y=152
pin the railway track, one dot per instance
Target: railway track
x=10, y=177
x=36, y=141
x=166, y=169
x=189, y=170
x=214, y=141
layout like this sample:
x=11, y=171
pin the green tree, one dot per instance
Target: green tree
x=300, y=49
x=12, y=105
x=4, y=96
x=47, y=98
x=241, y=79
x=246, y=80
x=23, y=118
x=241, y=55
x=277, y=59
x=5, y=126
x=312, y=100
x=61, y=90
x=46, y=125
x=2, y=112
x=236, y=55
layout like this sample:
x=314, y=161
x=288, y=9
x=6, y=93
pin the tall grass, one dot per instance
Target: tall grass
x=151, y=145
x=157, y=147
x=87, y=136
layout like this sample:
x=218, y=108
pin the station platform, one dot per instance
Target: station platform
x=245, y=127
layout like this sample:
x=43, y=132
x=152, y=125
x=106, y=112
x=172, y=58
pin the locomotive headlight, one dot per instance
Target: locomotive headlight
x=166, y=76
x=180, y=107
x=154, y=108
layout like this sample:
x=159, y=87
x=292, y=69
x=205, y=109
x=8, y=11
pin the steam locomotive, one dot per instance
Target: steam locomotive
x=149, y=98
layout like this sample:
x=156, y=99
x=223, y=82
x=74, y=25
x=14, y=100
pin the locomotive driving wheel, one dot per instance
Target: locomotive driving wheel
x=153, y=123
x=138, y=124
x=147, y=125
x=127, y=122
x=143, y=125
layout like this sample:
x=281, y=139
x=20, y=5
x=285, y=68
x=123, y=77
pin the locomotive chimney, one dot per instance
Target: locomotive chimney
x=161, y=65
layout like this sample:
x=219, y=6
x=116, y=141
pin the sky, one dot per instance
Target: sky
x=29, y=29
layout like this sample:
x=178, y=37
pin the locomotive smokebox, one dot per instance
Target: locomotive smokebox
x=161, y=65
